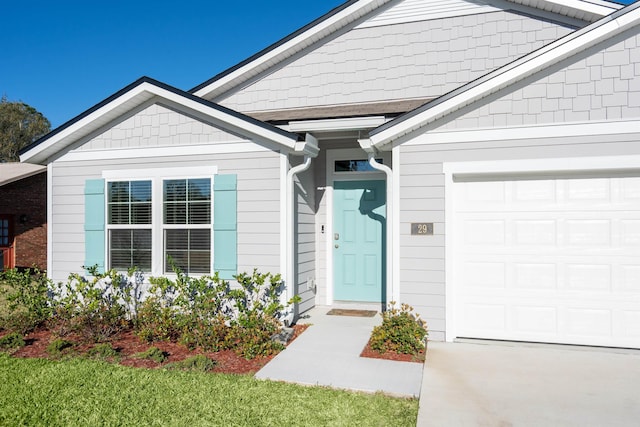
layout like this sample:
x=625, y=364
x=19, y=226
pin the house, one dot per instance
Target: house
x=476, y=159
x=23, y=216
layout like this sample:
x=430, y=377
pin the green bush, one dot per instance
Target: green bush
x=199, y=363
x=11, y=341
x=152, y=353
x=206, y=313
x=103, y=351
x=59, y=347
x=27, y=298
x=401, y=331
x=96, y=308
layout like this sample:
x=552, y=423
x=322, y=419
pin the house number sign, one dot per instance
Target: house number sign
x=422, y=229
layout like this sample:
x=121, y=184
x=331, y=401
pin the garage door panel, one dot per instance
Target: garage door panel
x=548, y=260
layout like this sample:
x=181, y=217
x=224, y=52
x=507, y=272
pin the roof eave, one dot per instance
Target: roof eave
x=135, y=95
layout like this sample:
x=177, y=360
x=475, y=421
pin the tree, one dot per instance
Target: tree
x=20, y=125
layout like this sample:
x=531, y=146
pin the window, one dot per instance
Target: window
x=129, y=213
x=187, y=224
x=359, y=165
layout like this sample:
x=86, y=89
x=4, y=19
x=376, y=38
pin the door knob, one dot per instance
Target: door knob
x=336, y=236
x=337, y=246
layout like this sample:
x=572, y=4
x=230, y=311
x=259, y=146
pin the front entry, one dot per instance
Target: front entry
x=359, y=240
x=6, y=242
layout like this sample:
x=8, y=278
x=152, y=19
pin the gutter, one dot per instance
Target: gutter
x=290, y=226
x=371, y=151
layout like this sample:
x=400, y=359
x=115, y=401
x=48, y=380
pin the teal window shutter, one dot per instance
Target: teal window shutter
x=225, y=226
x=94, y=230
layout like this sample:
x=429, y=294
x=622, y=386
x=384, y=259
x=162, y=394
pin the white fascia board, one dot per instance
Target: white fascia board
x=510, y=74
x=285, y=50
x=332, y=125
x=541, y=131
x=573, y=8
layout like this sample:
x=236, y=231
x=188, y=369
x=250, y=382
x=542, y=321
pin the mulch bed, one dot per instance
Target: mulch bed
x=127, y=344
x=390, y=355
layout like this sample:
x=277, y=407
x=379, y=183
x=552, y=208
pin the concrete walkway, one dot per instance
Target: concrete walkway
x=327, y=354
x=525, y=385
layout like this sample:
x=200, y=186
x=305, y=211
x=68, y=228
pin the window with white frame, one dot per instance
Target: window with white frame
x=187, y=225
x=129, y=224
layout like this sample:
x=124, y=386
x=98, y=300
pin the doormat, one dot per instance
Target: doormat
x=349, y=312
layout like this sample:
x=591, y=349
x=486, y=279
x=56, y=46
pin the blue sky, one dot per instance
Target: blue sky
x=63, y=57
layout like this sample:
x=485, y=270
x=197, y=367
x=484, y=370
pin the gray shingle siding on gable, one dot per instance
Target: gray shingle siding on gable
x=156, y=126
x=604, y=84
x=409, y=60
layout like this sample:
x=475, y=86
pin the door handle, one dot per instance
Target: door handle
x=337, y=246
x=336, y=236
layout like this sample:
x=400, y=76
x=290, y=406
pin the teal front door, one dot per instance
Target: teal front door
x=359, y=240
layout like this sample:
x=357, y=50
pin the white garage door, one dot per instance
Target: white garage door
x=548, y=260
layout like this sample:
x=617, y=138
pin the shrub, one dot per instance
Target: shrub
x=11, y=341
x=401, y=331
x=199, y=363
x=97, y=308
x=28, y=299
x=59, y=347
x=152, y=353
x=103, y=351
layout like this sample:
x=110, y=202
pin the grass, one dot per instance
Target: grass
x=83, y=392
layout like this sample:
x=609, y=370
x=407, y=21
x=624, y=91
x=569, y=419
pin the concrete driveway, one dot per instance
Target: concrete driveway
x=489, y=384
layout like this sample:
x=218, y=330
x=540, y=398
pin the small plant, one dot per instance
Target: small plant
x=59, y=347
x=28, y=299
x=152, y=353
x=103, y=351
x=12, y=341
x=198, y=363
x=401, y=331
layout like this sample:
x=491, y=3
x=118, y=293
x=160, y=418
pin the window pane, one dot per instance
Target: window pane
x=129, y=202
x=120, y=239
x=199, y=189
x=141, y=213
x=359, y=165
x=129, y=248
x=189, y=249
x=176, y=239
x=175, y=190
x=200, y=240
x=119, y=192
x=200, y=213
x=175, y=213
x=119, y=214
x=141, y=191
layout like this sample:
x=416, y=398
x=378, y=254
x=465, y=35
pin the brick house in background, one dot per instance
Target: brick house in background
x=23, y=216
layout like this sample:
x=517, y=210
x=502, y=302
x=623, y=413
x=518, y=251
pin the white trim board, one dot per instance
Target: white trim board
x=551, y=130
x=161, y=173
x=227, y=147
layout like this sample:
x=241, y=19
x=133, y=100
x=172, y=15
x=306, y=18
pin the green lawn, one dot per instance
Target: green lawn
x=88, y=393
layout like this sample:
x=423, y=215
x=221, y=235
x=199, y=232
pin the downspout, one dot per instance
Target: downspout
x=371, y=153
x=289, y=279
